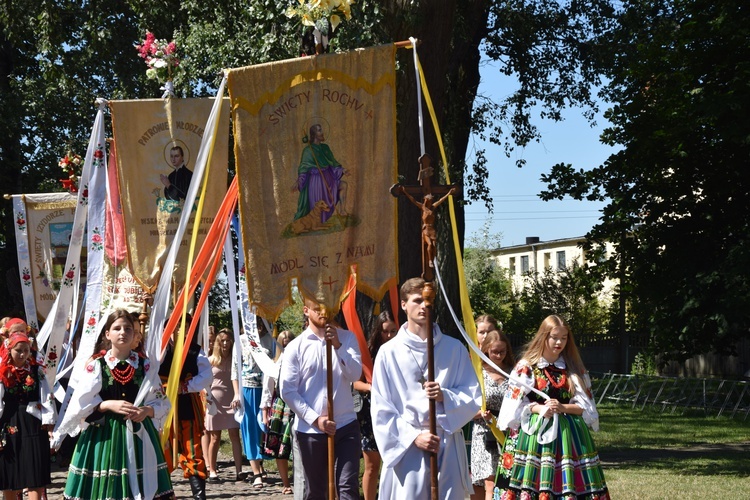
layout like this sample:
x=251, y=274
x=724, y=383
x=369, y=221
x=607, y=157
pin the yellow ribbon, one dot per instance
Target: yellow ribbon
x=466, y=311
x=173, y=382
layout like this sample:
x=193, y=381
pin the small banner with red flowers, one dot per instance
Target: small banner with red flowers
x=157, y=145
x=43, y=225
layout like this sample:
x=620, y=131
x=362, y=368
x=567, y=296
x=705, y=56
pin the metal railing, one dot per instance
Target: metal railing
x=671, y=394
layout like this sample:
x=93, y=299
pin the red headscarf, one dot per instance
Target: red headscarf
x=6, y=365
x=10, y=323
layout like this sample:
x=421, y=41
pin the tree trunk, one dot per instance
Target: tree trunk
x=10, y=178
x=450, y=33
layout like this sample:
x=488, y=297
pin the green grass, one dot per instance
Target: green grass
x=651, y=455
x=626, y=428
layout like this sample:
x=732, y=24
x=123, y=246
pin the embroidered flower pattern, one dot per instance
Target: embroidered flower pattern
x=96, y=239
x=52, y=357
x=98, y=157
x=26, y=276
x=159, y=392
x=20, y=221
x=85, y=195
x=68, y=281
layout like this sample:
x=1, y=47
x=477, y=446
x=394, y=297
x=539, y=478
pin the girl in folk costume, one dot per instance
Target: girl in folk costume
x=555, y=456
x=27, y=414
x=103, y=406
x=485, y=451
x=278, y=417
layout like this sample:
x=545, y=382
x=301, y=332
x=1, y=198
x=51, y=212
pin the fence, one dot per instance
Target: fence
x=713, y=396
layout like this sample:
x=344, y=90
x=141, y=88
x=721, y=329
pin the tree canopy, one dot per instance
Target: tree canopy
x=677, y=77
x=56, y=57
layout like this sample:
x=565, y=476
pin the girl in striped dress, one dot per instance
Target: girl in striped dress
x=102, y=405
x=555, y=456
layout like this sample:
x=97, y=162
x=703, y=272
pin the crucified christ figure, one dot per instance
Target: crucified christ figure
x=429, y=235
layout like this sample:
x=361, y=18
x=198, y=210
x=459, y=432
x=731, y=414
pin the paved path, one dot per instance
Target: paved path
x=225, y=489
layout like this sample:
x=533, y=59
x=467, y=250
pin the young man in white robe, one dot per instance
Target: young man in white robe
x=400, y=407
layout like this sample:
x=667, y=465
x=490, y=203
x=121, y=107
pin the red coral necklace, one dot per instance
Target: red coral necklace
x=123, y=375
x=559, y=384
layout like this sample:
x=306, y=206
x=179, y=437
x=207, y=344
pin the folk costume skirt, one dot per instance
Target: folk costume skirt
x=24, y=461
x=99, y=470
x=568, y=467
x=277, y=441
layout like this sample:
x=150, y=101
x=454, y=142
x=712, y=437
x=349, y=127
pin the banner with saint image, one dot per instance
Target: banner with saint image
x=157, y=144
x=316, y=155
x=43, y=226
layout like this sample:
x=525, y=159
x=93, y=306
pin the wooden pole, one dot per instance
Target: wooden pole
x=331, y=439
x=428, y=294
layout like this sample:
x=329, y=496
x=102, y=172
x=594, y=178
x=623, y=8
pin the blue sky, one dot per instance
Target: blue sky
x=518, y=211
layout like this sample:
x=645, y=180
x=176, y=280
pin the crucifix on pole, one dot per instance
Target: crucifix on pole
x=427, y=192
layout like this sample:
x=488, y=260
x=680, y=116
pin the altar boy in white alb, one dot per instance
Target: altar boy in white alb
x=400, y=407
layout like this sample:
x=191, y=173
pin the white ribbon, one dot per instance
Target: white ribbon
x=420, y=114
x=239, y=413
x=168, y=89
x=53, y=331
x=549, y=434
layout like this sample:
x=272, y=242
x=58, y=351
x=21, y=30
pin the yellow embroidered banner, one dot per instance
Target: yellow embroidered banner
x=157, y=145
x=315, y=144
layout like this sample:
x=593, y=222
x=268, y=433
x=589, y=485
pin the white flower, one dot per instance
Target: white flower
x=160, y=63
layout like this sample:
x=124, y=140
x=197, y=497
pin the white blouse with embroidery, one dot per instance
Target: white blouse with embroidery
x=516, y=408
x=86, y=397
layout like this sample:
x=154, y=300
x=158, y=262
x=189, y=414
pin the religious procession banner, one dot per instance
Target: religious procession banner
x=43, y=226
x=157, y=144
x=315, y=144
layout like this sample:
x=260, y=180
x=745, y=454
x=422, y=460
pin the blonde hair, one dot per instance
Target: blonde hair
x=570, y=354
x=279, y=346
x=215, y=358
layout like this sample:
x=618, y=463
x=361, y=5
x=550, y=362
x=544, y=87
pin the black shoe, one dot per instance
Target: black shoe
x=198, y=487
x=214, y=479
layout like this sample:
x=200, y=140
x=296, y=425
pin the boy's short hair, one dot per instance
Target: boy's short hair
x=410, y=287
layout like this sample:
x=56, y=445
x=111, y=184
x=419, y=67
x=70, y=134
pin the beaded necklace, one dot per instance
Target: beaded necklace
x=123, y=375
x=559, y=384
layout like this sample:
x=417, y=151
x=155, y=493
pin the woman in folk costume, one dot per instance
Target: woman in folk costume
x=27, y=413
x=555, y=456
x=102, y=405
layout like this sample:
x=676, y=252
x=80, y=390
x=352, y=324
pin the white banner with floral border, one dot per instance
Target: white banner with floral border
x=42, y=225
x=93, y=176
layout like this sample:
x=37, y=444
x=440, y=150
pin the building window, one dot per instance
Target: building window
x=561, y=260
x=512, y=266
x=547, y=259
x=524, y=264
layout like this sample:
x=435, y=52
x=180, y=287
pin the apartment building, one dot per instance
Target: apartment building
x=537, y=256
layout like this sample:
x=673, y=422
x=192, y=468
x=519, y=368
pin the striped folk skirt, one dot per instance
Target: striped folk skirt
x=99, y=470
